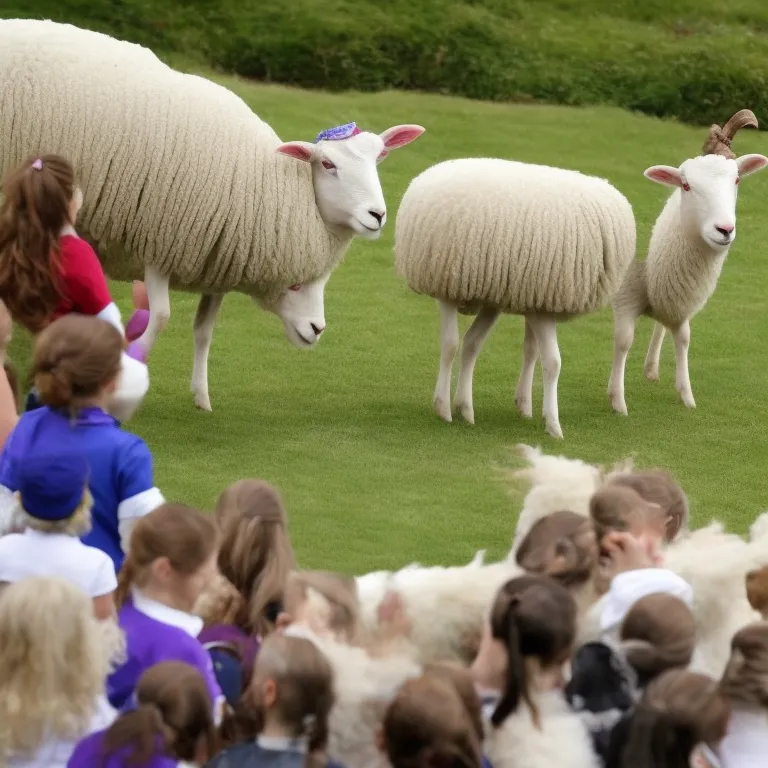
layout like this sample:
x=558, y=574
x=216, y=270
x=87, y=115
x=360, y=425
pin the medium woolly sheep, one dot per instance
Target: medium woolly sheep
x=689, y=244
x=185, y=186
x=487, y=236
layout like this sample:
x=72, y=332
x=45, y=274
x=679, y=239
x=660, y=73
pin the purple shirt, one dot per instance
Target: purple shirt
x=90, y=752
x=156, y=633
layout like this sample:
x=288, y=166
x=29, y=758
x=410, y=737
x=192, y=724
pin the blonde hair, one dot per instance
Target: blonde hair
x=658, y=634
x=77, y=524
x=255, y=555
x=53, y=666
x=332, y=599
x=428, y=724
x=745, y=680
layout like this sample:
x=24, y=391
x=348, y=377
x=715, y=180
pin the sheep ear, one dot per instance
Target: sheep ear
x=664, y=174
x=400, y=135
x=751, y=163
x=300, y=150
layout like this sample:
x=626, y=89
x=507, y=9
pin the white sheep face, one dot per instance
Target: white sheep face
x=708, y=185
x=345, y=175
x=302, y=310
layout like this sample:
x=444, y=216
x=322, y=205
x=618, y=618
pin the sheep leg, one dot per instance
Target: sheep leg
x=205, y=319
x=545, y=331
x=682, y=339
x=159, y=307
x=449, y=346
x=470, y=349
x=623, y=336
x=524, y=391
x=651, y=367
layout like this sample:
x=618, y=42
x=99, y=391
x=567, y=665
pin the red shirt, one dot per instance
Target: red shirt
x=83, y=283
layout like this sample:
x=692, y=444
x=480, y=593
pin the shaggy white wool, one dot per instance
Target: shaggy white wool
x=178, y=172
x=562, y=740
x=520, y=238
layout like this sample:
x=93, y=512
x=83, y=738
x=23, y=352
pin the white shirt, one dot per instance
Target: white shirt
x=55, y=753
x=33, y=553
x=746, y=743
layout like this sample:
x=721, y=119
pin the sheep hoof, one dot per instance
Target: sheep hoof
x=467, y=412
x=651, y=373
x=554, y=430
x=203, y=402
x=687, y=398
x=525, y=405
x=618, y=404
x=443, y=408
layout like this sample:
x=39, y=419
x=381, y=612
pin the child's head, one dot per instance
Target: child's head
x=173, y=714
x=461, y=680
x=658, y=634
x=324, y=602
x=678, y=711
x=427, y=724
x=528, y=639
x=756, y=583
x=561, y=545
x=53, y=491
x=54, y=663
x=39, y=199
x=172, y=555
x=658, y=487
x=255, y=554
x=745, y=680
x=617, y=508
x=291, y=691
x=77, y=362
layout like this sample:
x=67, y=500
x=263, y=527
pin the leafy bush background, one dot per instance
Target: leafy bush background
x=695, y=60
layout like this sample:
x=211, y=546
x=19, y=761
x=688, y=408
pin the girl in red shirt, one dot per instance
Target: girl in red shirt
x=47, y=271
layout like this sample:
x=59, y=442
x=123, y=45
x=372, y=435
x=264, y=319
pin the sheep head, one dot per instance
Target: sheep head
x=345, y=176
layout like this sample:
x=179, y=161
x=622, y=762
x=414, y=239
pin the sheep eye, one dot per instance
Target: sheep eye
x=295, y=287
x=328, y=165
x=686, y=187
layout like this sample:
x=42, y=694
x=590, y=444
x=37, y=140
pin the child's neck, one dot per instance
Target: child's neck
x=164, y=597
x=98, y=401
x=484, y=678
x=274, y=729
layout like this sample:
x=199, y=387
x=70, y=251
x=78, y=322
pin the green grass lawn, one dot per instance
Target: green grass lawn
x=371, y=477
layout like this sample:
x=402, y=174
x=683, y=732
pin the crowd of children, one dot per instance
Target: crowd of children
x=138, y=632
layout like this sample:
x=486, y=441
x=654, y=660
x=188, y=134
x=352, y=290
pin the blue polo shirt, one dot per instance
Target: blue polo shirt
x=120, y=465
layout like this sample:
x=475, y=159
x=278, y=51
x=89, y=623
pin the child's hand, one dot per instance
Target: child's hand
x=393, y=619
x=627, y=553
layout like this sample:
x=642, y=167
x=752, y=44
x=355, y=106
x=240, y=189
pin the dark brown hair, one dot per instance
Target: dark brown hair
x=658, y=634
x=74, y=358
x=658, y=487
x=617, y=507
x=533, y=617
x=182, y=534
x=461, y=680
x=745, y=680
x=562, y=545
x=303, y=680
x=174, y=714
x=678, y=711
x=255, y=556
x=34, y=210
x=427, y=726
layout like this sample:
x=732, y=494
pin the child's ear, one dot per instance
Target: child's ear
x=283, y=620
x=269, y=693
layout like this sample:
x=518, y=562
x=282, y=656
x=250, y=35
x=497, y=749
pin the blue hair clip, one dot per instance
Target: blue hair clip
x=338, y=133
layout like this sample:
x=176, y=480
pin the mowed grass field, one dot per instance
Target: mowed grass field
x=371, y=477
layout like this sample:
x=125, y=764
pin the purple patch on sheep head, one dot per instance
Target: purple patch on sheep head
x=339, y=133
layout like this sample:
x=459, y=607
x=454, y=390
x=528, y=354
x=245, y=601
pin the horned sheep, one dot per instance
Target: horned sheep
x=689, y=244
x=184, y=186
x=489, y=236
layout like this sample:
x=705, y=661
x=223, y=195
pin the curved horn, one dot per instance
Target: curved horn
x=744, y=118
x=719, y=139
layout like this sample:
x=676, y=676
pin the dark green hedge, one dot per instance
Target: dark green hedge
x=690, y=59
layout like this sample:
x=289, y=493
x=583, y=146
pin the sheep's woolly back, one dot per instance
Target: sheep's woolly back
x=177, y=171
x=446, y=606
x=518, y=237
x=562, y=741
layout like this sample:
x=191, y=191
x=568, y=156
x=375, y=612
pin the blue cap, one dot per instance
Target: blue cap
x=52, y=485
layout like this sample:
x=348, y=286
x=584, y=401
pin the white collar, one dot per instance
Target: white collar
x=191, y=624
x=746, y=743
x=282, y=744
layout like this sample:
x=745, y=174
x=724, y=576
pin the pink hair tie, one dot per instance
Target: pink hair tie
x=38, y=164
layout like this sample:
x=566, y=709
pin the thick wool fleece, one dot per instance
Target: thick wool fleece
x=177, y=171
x=521, y=238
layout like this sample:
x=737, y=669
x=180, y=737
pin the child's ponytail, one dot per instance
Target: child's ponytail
x=125, y=578
x=141, y=732
x=515, y=686
x=317, y=731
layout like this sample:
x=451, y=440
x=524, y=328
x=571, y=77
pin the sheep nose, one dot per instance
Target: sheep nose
x=378, y=215
x=725, y=231
x=318, y=329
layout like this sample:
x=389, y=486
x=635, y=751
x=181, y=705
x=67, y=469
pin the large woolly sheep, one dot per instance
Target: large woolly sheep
x=689, y=244
x=488, y=236
x=184, y=185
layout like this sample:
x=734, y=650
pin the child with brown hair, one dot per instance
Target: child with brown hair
x=290, y=699
x=172, y=556
x=47, y=271
x=427, y=725
x=76, y=365
x=171, y=722
x=680, y=715
x=745, y=685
